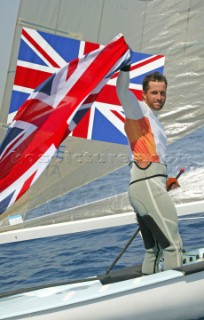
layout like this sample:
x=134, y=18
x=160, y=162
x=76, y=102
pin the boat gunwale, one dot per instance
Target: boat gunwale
x=116, y=276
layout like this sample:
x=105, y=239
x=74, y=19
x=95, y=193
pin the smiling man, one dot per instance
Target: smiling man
x=156, y=213
x=154, y=90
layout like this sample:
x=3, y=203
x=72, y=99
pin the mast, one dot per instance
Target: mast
x=7, y=27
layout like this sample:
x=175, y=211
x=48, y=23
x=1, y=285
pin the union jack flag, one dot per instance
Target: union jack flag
x=30, y=142
x=42, y=54
x=50, y=113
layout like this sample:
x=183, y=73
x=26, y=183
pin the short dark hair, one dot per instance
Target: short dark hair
x=156, y=77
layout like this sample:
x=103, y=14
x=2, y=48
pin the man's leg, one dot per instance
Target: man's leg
x=163, y=212
x=152, y=202
x=153, y=250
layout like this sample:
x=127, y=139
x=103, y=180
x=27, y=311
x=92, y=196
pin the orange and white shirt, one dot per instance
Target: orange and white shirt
x=145, y=132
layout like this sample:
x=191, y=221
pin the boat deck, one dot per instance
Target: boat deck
x=97, y=291
x=193, y=263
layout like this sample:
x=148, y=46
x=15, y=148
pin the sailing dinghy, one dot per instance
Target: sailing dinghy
x=122, y=294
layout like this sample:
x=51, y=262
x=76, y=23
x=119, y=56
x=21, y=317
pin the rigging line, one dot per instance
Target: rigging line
x=58, y=12
x=100, y=23
x=121, y=253
x=187, y=26
x=143, y=26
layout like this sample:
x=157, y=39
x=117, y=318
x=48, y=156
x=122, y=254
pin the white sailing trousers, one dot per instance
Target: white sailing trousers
x=157, y=217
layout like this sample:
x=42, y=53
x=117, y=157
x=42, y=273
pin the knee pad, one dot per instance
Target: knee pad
x=147, y=236
x=151, y=231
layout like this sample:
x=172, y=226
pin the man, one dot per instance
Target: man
x=156, y=213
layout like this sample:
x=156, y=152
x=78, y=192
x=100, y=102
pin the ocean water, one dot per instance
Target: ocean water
x=58, y=259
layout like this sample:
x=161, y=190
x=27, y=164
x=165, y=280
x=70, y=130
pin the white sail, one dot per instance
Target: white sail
x=183, y=51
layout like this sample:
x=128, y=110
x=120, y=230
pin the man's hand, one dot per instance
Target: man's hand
x=126, y=68
x=127, y=65
x=172, y=183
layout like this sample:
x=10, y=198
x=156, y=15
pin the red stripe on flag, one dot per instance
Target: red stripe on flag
x=81, y=129
x=144, y=63
x=34, y=111
x=91, y=98
x=26, y=185
x=72, y=67
x=40, y=49
x=108, y=95
x=118, y=115
x=137, y=93
x=89, y=46
x=35, y=78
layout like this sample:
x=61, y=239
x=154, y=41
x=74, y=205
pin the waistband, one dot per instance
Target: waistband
x=153, y=170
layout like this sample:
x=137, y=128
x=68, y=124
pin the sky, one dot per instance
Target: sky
x=8, y=16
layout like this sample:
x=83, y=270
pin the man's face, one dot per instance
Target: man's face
x=155, y=96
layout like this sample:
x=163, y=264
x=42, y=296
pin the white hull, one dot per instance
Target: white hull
x=170, y=295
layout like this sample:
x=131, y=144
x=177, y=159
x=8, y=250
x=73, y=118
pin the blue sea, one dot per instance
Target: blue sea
x=58, y=259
